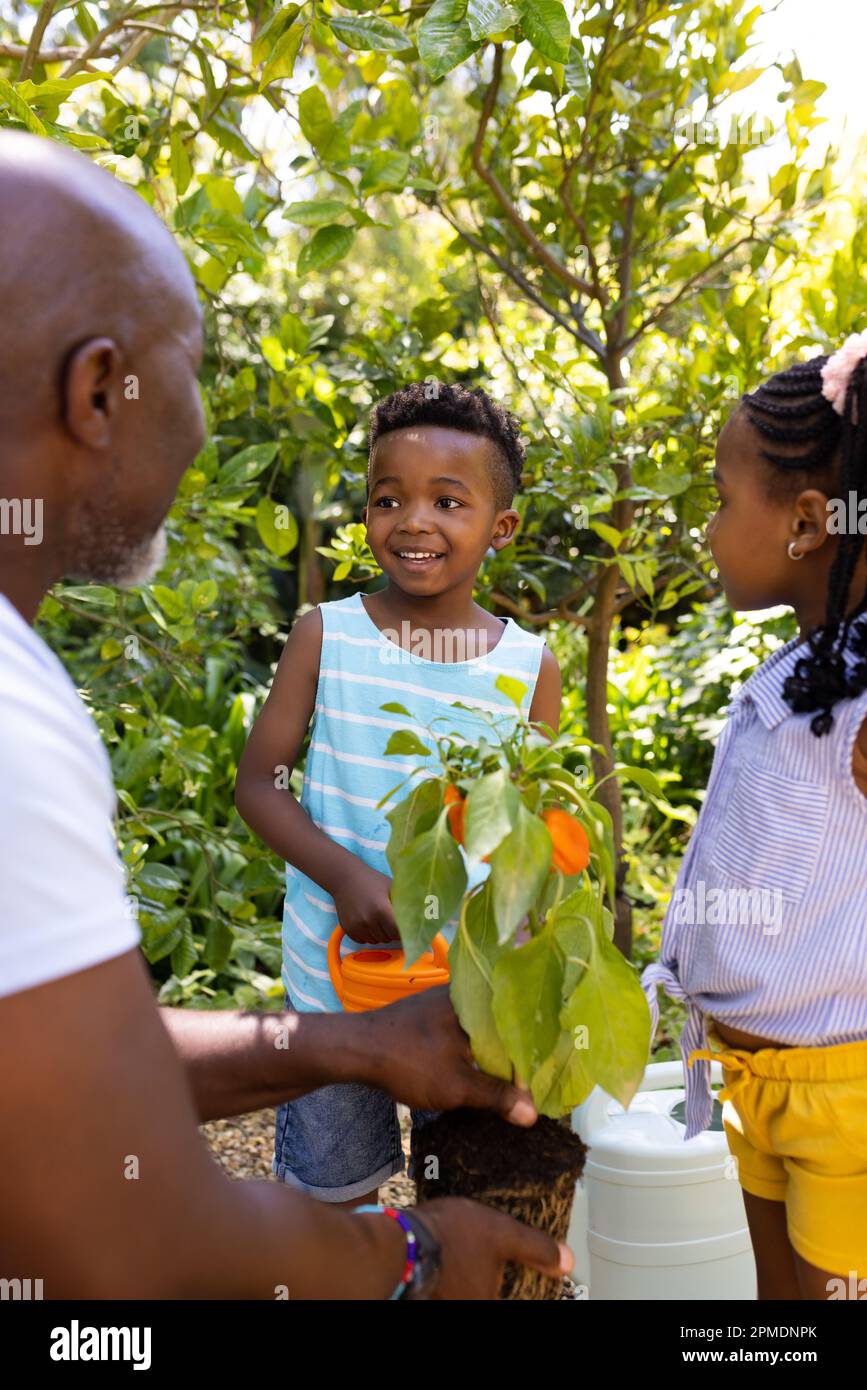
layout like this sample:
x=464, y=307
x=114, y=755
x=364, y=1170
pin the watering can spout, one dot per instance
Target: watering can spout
x=371, y=978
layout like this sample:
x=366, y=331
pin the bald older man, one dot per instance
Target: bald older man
x=106, y=1188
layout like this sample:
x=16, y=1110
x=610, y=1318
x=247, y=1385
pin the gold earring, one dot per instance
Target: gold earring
x=793, y=553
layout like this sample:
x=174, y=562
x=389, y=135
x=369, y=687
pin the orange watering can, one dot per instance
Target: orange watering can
x=370, y=979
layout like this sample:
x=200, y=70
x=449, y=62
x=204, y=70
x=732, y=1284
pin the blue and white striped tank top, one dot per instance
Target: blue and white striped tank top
x=346, y=772
x=766, y=930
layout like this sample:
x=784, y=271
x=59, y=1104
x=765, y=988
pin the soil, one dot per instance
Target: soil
x=527, y=1173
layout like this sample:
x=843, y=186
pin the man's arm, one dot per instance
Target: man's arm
x=108, y=1191
x=415, y=1050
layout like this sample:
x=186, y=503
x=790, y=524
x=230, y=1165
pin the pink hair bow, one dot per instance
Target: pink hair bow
x=837, y=371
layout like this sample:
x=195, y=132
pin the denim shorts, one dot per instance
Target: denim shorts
x=341, y=1141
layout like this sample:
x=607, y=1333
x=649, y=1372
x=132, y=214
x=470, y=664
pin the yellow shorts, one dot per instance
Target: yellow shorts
x=796, y=1122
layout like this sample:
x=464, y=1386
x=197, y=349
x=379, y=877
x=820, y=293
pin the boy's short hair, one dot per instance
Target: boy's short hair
x=458, y=408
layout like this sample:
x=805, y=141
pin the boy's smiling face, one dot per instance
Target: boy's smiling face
x=431, y=496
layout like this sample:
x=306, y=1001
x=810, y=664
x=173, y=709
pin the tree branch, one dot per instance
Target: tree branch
x=540, y=251
x=46, y=10
x=693, y=282
x=66, y=53
x=131, y=12
x=540, y=619
x=576, y=330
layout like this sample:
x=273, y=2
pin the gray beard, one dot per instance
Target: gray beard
x=109, y=558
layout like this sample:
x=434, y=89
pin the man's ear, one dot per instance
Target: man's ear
x=505, y=527
x=93, y=391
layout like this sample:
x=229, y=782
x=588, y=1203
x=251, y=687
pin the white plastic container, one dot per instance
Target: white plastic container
x=655, y=1217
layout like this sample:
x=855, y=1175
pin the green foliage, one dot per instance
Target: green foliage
x=473, y=191
x=535, y=979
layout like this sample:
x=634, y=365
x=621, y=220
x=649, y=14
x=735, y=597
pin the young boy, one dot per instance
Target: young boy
x=442, y=473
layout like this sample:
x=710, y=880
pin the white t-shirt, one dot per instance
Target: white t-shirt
x=63, y=901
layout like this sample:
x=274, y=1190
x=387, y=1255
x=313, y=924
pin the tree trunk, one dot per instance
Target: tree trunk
x=598, y=727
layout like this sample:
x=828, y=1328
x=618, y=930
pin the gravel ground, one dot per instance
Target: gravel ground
x=244, y=1147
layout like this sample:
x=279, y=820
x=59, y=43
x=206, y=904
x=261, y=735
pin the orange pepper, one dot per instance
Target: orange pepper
x=457, y=807
x=571, y=845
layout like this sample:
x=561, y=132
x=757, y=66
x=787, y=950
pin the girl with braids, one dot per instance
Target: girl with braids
x=780, y=998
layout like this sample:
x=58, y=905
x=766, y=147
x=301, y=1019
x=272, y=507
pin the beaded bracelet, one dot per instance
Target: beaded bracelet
x=411, y=1244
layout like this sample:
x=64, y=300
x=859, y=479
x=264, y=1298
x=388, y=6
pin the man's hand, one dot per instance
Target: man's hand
x=476, y=1243
x=363, y=904
x=418, y=1052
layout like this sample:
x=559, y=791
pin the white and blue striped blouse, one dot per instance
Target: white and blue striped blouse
x=766, y=930
x=347, y=773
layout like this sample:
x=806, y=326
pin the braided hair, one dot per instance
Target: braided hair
x=458, y=408
x=807, y=440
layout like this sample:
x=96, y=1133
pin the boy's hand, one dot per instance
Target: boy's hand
x=364, y=908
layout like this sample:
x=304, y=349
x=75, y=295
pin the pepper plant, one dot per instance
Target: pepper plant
x=536, y=980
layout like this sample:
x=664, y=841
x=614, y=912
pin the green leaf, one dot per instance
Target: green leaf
x=86, y=23
x=610, y=1004
x=563, y=1080
x=643, y=778
x=269, y=35
x=218, y=943
x=369, y=34
x=526, y=1003
x=405, y=742
x=472, y=957
x=609, y=534
x=486, y=17
x=169, y=601
x=429, y=883
x=314, y=117
x=184, y=956
x=518, y=868
x=314, y=213
x=161, y=933
x=43, y=93
x=573, y=930
x=277, y=526
x=179, y=162
x=576, y=76
x=159, y=878
x=19, y=108
x=385, y=169
x=204, y=596
x=413, y=814
x=546, y=25
x=327, y=246
x=99, y=594
x=282, y=60
x=248, y=464
x=514, y=690
x=444, y=37
x=737, y=81
x=491, y=813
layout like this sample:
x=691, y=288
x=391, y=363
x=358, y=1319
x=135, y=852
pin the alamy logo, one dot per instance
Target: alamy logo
x=719, y=907
x=22, y=516
x=23, y=1290
x=76, y=1343
x=443, y=645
